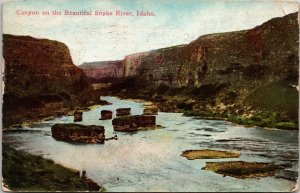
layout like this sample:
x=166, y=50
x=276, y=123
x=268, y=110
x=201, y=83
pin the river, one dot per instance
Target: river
x=151, y=161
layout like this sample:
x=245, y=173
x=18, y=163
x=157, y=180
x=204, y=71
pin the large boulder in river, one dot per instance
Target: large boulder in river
x=152, y=110
x=123, y=111
x=106, y=114
x=78, y=133
x=78, y=116
x=134, y=123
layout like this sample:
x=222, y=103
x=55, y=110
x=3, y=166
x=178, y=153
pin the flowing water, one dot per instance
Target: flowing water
x=151, y=161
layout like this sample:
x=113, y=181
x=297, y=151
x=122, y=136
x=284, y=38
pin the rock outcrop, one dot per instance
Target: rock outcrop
x=250, y=73
x=134, y=123
x=132, y=62
x=123, y=111
x=242, y=169
x=159, y=66
x=104, y=70
x=78, y=133
x=152, y=110
x=209, y=154
x=106, y=114
x=41, y=80
x=78, y=116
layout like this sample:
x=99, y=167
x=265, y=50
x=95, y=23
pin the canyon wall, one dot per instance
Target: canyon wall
x=246, y=72
x=132, y=62
x=158, y=66
x=249, y=73
x=104, y=70
x=41, y=80
x=267, y=53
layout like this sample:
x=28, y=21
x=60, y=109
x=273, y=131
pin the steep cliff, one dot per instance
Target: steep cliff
x=133, y=62
x=267, y=52
x=250, y=73
x=41, y=80
x=157, y=66
x=104, y=70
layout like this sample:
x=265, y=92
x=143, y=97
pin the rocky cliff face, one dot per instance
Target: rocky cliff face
x=40, y=80
x=157, y=66
x=246, y=73
x=104, y=70
x=247, y=58
x=132, y=62
x=266, y=53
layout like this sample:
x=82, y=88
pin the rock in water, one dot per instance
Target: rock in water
x=209, y=154
x=105, y=114
x=150, y=111
x=134, y=123
x=78, y=116
x=242, y=169
x=78, y=133
x=123, y=111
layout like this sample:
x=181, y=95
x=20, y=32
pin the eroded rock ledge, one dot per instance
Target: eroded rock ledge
x=241, y=169
x=209, y=154
x=78, y=133
x=134, y=123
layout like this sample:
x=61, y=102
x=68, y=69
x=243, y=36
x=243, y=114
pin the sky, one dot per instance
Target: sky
x=100, y=38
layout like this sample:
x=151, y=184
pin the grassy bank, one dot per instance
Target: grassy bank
x=26, y=172
x=266, y=119
x=273, y=105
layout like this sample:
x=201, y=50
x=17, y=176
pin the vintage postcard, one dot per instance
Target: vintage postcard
x=150, y=96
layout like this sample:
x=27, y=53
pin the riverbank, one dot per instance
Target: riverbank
x=30, y=117
x=267, y=119
x=26, y=172
x=277, y=109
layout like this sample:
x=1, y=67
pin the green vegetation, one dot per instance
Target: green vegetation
x=264, y=121
x=25, y=172
x=202, y=114
x=209, y=154
x=241, y=169
x=278, y=96
x=272, y=105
